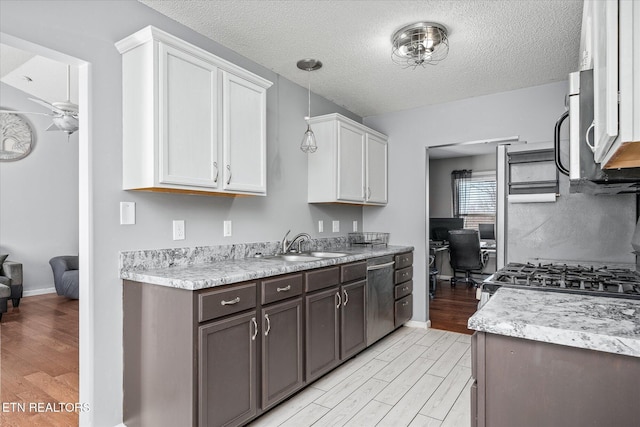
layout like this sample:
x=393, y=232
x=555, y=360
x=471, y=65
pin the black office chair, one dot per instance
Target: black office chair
x=465, y=255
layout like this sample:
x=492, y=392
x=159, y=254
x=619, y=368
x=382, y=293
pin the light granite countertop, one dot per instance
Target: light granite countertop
x=204, y=275
x=596, y=323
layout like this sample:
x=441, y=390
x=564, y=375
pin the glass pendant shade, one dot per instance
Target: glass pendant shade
x=308, y=144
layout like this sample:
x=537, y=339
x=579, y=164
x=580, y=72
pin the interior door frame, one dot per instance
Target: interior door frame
x=501, y=145
x=85, y=217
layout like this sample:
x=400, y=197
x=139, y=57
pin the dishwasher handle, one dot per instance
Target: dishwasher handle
x=380, y=266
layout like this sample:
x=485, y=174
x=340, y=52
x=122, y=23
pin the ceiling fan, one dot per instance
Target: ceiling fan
x=64, y=114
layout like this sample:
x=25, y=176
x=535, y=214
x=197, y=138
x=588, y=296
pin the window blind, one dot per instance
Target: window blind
x=477, y=199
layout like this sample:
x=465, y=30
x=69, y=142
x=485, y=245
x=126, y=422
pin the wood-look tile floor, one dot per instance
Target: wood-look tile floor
x=39, y=361
x=413, y=377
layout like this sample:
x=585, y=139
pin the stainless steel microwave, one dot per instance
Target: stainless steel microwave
x=585, y=175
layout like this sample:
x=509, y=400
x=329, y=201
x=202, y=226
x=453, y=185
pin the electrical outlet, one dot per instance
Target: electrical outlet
x=355, y=226
x=336, y=226
x=127, y=213
x=178, y=229
x=227, y=229
x=320, y=226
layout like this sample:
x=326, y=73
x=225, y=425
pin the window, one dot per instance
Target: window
x=474, y=197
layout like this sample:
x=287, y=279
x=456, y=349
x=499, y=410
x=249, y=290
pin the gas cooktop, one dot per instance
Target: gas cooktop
x=586, y=280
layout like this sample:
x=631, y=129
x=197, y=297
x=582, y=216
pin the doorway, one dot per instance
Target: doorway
x=451, y=306
x=84, y=220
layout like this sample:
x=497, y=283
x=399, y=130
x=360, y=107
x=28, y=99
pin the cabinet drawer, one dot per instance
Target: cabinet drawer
x=403, y=289
x=403, y=310
x=281, y=288
x=222, y=302
x=353, y=271
x=404, y=260
x=321, y=278
x=403, y=275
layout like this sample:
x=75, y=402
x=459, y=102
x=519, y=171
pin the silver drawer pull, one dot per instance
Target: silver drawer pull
x=233, y=301
x=285, y=289
x=405, y=303
x=406, y=288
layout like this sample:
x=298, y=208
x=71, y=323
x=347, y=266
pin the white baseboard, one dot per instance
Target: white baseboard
x=39, y=292
x=418, y=324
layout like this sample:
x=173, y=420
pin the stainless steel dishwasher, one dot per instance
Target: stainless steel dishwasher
x=380, y=298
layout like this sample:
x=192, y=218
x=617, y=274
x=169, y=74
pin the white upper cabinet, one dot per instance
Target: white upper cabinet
x=350, y=165
x=615, y=40
x=192, y=122
x=245, y=129
x=376, y=170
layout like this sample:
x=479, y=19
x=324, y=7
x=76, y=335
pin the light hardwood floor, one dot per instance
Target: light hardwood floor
x=39, y=361
x=413, y=377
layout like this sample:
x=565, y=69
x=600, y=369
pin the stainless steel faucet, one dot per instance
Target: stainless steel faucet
x=286, y=245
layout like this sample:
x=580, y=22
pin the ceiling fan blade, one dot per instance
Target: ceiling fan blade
x=46, y=104
x=24, y=112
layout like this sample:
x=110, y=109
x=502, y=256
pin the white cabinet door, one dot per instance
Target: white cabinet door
x=244, y=128
x=605, y=76
x=188, y=119
x=376, y=170
x=351, y=156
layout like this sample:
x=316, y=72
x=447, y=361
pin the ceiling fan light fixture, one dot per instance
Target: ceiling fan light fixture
x=420, y=44
x=308, y=144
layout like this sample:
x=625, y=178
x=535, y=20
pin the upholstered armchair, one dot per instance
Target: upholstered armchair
x=10, y=283
x=66, y=275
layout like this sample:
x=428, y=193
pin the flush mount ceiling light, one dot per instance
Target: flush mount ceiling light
x=420, y=44
x=308, y=144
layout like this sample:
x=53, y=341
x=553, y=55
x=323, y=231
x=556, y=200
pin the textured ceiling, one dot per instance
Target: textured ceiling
x=495, y=45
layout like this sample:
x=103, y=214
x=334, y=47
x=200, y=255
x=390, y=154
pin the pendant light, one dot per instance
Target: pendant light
x=308, y=144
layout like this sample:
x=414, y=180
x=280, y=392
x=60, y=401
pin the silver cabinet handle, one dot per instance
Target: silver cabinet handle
x=215, y=165
x=255, y=325
x=229, y=178
x=346, y=297
x=405, y=303
x=285, y=289
x=339, y=300
x=406, y=288
x=232, y=302
x=368, y=193
x=266, y=316
x=379, y=266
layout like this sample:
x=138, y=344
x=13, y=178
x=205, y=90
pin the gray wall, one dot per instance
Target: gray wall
x=38, y=197
x=440, y=202
x=87, y=31
x=529, y=113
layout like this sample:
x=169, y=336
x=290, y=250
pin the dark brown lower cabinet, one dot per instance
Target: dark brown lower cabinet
x=353, y=328
x=227, y=366
x=322, y=332
x=282, y=349
x=525, y=383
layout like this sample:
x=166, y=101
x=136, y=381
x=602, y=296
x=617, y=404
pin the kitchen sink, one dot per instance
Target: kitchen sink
x=327, y=254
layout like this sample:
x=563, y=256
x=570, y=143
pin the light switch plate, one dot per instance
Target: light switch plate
x=127, y=213
x=178, y=229
x=336, y=226
x=227, y=229
x=320, y=226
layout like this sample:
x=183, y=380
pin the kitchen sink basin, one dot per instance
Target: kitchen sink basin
x=327, y=254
